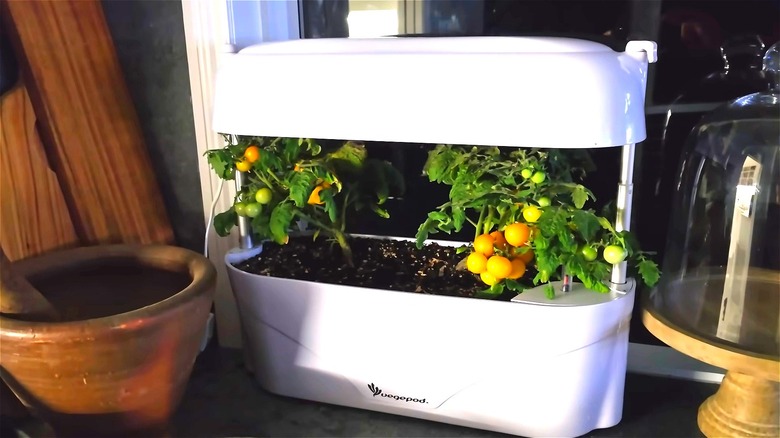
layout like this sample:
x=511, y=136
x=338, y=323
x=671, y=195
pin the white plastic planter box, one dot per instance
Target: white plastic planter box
x=533, y=367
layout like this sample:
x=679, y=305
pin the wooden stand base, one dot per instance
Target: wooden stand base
x=744, y=406
x=747, y=403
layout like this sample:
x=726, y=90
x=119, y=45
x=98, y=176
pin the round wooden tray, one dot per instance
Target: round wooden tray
x=748, y=400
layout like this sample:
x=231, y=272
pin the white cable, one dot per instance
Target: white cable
x=211, y=216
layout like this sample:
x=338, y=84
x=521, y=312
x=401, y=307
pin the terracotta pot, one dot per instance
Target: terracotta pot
x=133, y=318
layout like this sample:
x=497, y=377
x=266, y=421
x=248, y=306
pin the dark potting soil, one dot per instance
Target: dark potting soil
x=381, y=264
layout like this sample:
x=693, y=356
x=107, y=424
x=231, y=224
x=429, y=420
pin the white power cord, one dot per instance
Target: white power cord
x=211, y=217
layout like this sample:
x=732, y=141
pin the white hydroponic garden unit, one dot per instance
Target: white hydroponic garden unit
x=532, y=366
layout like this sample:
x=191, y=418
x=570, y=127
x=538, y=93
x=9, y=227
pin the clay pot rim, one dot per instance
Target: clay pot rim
x=202, y=281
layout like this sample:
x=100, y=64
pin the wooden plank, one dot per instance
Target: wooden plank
x=34, y=218
x=88, y=121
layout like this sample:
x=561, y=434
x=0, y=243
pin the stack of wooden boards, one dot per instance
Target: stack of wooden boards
x=74, y=169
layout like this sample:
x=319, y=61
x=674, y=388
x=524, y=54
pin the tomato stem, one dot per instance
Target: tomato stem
x=345, y=249
x=276, y=178
x=344, y=212
x=488, y=221
x=478, y=226
x=334, y=232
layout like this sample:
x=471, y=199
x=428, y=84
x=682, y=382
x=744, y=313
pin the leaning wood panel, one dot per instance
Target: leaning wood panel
x=88, y=121
x=34, y=217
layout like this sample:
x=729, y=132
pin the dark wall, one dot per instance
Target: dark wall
x=149, y=40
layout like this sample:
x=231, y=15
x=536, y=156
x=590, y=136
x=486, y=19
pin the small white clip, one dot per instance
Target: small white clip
x=649, y=47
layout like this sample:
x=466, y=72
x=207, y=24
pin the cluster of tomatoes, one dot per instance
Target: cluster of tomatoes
x=252, y=209
x=501, y=255
x=262, y=196
x=251, y=154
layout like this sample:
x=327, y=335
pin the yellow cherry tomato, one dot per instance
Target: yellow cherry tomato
x=476, y=262
x=517, y=234
x=498, y=240
x=532, y=213
x=518, y=269
x=483, y=244
x=243, y=165
x=488, y=279
x=527, y=256
x=499, y=267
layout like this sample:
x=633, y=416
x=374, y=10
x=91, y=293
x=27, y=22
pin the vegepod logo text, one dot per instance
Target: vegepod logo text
x=378, y=392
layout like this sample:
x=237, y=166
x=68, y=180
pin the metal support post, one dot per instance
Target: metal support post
x=245, y=240
x=624, y=198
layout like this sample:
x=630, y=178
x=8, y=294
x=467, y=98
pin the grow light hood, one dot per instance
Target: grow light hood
x=500, y=91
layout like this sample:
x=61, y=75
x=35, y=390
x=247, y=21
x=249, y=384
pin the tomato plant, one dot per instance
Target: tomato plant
x=297, y=181
x=533, y=200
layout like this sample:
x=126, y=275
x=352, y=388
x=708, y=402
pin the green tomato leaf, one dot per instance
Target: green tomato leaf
x=630, y=243
x=458, y=217
x=587, y=224
x=292, y=148
x=541, y=242
x=545, y=263
x=261, y=225
x=599, y=269
x=326, y=196
x=648, y=269
x=380, y=211
x=549, y=291
x=220, y=162
x=579, y=196
x=281, y=217
x=492, y=292
x=225, y=221
x=301, y=186
x=423, y=231
x=349, y=158
x=513, y=285
x=566, y=240
x=313, y=148
x=592, y=282
x=438, y=162
x=270, y=162
x=606, y=224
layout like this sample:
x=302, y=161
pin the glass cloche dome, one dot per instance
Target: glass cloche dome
x=721, y=270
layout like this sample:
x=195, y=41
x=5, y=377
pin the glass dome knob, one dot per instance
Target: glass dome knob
x=742, y=51
x=772, y=66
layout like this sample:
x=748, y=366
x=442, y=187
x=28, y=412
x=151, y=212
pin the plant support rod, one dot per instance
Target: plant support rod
x=245, y=240
x=624, y=197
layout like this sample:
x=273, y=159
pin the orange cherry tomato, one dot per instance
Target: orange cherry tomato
x=252, y=154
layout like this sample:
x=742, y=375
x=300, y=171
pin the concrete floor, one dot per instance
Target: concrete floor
x=223, y=400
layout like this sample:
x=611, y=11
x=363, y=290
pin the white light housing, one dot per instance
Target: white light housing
x=499, y=91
